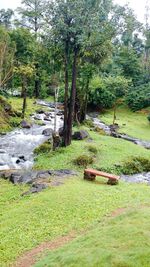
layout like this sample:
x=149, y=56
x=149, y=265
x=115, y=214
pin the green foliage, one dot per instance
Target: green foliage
x=104, y=91
x=44, y=148
x=139, y=97
x=148, y=117
x=136, y=165
x=83, y=160
x=93, y=149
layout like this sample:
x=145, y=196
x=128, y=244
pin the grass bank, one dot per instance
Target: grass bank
x=28, y=221
x=122, y=240
x=132, y=123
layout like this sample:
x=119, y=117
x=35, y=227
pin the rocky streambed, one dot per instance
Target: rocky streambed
x=16, y=147
x=112, y=131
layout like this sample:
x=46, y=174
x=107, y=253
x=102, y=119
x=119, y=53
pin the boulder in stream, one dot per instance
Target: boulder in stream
x=47, y=132
x=25, y=124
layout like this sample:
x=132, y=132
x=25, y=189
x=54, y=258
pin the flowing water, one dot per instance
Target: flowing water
x=16, y=147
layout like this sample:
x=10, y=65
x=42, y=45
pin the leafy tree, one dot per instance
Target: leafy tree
x=5, y=17
x=7, y=51
x=75, y=27
x=32, y=18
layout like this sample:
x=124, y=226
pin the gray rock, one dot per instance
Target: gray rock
x=47, y=132
x=47, y=118
x=2, y=151
x=37, y=117
x=80, y=135
x=25, y=124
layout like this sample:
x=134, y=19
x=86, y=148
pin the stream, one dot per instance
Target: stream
x=16, y=147
x=108, y=129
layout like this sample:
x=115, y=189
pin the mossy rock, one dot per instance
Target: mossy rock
x=99, y=131
x=83, y=160
x=44, y=148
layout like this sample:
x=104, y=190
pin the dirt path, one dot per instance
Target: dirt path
x=30, y=257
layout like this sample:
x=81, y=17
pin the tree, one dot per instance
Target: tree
x=26, y=72
x=7, y=51
x=5, y=17
x=75, y=26
x=25, y=49
x=32, y=18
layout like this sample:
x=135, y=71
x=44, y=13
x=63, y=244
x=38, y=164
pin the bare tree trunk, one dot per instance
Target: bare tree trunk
x=37, y=81
x=72, y=98
x=24, y=94
x=66, y=95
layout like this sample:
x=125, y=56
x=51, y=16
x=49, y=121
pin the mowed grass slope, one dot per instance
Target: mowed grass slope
x=120, y=241
x=28, y=221
x=132, y=123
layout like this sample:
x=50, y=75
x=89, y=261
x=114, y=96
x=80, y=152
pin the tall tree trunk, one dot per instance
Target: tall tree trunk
x=24, y=94
x=84, y=107
x=37, y=81
x=66, y=94
x=72, y=98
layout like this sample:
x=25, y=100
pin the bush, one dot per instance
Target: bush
x=93, y=149
x=104, y=91
x=139, y=97
x=44, y=148
x=136, y=165
x=83, y=160
x=148, y=117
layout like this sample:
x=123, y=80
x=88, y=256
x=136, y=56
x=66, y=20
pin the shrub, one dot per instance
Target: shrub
x=44, y=148
x=148, y=117
x=104, y=91
x=136, y=165
x=93, y=149
x=139, y=97
x=83, y=160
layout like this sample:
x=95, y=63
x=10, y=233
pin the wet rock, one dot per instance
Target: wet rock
x=7, y=107
x=37, y=117
x=2, y=151
x=36, y=188
x=137, y=178
x=114, y=127
x=80, y=135
x=15, y=178
x=47, y=118
x=60, y=113
x=47, y=132
x=25, y=124
x=40, y=111
x=18, y=161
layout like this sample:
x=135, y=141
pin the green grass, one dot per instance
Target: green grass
x=111, y=151
x=28, y=221
x=122, y=241
x=132, y=123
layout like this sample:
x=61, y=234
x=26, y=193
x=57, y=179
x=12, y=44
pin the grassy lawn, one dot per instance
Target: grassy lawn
x=111, y=151
x=122, y=241
x=27, y=221
x=16, y=103
x=132, y=123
